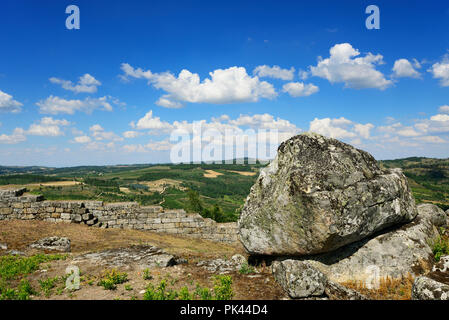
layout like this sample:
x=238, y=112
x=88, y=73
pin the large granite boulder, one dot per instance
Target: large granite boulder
x=318, y=195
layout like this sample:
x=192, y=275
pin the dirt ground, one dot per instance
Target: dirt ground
x=17, y=235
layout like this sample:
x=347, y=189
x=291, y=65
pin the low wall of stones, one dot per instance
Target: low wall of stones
x=14, y=204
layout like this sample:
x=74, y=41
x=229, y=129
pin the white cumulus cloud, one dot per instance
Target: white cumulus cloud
x=57, y=105
x=17, y=136
x=404, y=69
x=440, y=70
x=224, y=86
x=299, y=89
x=86, y=84
x=274, y=72
x=8, y=104
x=340, y=128
x=344, y=65
x=47, y=127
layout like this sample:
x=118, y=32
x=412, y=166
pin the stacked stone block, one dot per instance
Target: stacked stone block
x=128, y=215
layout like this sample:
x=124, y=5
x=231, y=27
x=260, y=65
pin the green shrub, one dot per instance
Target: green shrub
x=147, y=275
x=246, y=269
x=440, y=247
x=159, y=293
x=111, y=278
x=11, y=267
x=48, y=284
x=223, y=288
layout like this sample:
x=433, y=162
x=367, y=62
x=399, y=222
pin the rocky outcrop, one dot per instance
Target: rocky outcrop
x=61, y=244
x=318, y=195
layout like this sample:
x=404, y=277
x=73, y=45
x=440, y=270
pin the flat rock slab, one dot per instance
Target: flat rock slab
x=320, y=194
x=52, y=243
x=142, y=255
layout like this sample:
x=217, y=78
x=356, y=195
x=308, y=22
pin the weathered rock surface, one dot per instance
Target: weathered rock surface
x=318, y=195
x=435, y=284
x=142, y=255
x=394, y=254
x=53, y=243
x=299, y=279
x=3, y=246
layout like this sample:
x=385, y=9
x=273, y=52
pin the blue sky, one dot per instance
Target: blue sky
x=113, y=91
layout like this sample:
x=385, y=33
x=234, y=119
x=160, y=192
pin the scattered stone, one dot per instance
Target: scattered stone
x=299, y=279
x=3, y=246
x=320, y=194
x=53, y=243
x=145, y=256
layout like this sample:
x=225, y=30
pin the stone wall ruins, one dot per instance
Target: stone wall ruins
x=14, y=204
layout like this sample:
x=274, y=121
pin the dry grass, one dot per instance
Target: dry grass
x=212, y=174
x=244, y=173
x=389, y=289
x=18, y=234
